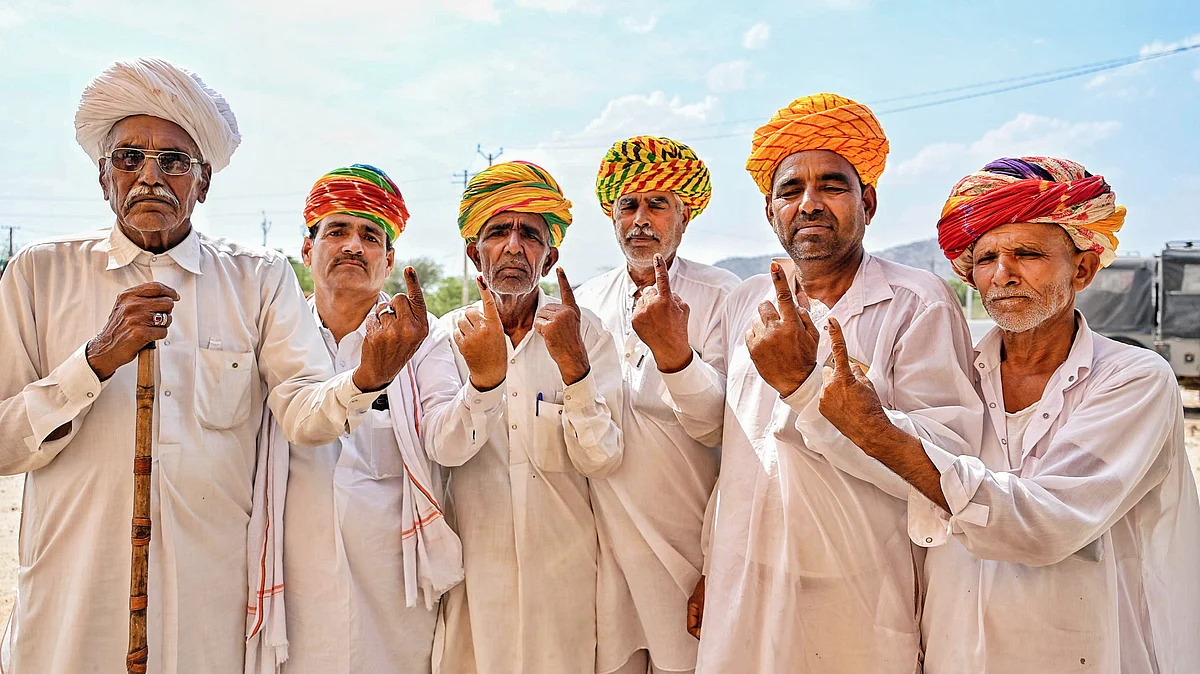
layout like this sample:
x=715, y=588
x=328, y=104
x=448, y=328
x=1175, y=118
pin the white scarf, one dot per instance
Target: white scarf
x=266, y=629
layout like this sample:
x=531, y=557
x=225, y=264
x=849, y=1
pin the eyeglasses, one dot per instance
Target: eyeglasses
x=172, y=162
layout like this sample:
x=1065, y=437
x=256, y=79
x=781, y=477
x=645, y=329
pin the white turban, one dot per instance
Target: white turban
x=160, y=89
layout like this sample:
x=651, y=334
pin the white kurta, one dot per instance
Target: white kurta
x=346, y=602
x=523, y=511
x=650, y=512
x=241, y=335
x=811, y=569
x=1075, y=545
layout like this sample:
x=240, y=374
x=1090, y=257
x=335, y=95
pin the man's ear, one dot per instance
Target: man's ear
x=1087, y=263
x=870, y=201
x=391, y=260
x=473, y=253
x=205, y=181
x=770, y=211
x=104, y=181
x=306, y=252
x=551, y=260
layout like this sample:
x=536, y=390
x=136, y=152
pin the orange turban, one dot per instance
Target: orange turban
x=820, y=122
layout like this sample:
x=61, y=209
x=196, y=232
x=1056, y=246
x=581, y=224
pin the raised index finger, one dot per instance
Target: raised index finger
x=841, y=357
x=564, y=289
x=661, y=279
x=490, y=311
x=415, y=294
x=787, y=306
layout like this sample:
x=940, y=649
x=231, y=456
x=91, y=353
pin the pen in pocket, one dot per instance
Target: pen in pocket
x=537, y=405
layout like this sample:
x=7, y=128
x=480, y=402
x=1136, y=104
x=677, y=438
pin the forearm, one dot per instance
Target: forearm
x=903, y=454
x=696, y=394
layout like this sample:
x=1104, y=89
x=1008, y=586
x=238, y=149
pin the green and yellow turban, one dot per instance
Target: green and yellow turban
x=652, y=164
x=518, y=186
x=819, y=122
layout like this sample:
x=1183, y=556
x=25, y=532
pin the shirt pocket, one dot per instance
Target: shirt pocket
x=382, y=455
x=223, y=387
x=549, y=450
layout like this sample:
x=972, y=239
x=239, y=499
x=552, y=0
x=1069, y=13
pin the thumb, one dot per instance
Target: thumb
x=837, y=342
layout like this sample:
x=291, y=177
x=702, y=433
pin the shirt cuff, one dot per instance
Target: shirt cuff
x=579, y=396
x=928, y=524
x=71, y=388
x=482, y=401
x=354, y=400
x=688, y=381
x=803, y=399
x=961, y=477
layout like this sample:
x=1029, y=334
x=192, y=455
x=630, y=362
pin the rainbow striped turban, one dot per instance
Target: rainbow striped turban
x=1030, y=189
x=518, y=186
x=820, y=122
x=361, y=190
x=651, y=164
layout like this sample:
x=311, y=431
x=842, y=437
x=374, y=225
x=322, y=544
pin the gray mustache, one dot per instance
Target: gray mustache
x=155, y=191
x=641, y=232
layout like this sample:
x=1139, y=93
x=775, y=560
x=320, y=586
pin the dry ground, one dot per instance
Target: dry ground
x=10, y=509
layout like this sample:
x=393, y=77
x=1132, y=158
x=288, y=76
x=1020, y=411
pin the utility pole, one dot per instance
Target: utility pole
x=11, y=249
x=489, y=157
x=266, y=227
x=466, y=293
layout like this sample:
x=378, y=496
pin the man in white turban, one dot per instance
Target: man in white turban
x=234, y=339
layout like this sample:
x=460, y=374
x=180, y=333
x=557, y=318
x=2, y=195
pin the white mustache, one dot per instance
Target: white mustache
x=640, y=232
x=1000, y=294
x=156, y=191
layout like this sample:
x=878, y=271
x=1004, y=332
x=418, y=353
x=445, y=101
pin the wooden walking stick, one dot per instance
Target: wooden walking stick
x=135, y=662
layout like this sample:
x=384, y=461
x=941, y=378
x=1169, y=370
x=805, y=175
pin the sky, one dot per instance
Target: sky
x=415, y=87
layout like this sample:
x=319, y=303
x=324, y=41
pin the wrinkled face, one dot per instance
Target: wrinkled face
x=149, y=200
x=1028, y=273
x=349, y=256
x=513, y=251
x=647, y=223
x=818, y=207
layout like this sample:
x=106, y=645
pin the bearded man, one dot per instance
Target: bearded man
x=665, y=312
x=1067, y=541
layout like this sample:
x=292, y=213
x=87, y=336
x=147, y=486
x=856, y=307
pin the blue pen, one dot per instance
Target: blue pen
x=537, y=407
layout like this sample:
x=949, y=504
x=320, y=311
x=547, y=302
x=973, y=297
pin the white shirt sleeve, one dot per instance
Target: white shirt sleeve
x=458, y=418
x=31, y=406
x=594, y=441
x=312, y=407
x=1105, y=457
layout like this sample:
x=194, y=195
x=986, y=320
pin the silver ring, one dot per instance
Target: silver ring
x=160, y=318
x=385, y=311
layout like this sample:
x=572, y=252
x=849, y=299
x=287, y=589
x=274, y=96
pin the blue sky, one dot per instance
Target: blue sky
x=413, y=87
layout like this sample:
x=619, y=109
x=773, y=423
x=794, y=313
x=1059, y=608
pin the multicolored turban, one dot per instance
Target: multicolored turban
x=1030, y=189
x=820, y=122
x=361, y=190
x=518, y=186
x=652, y=164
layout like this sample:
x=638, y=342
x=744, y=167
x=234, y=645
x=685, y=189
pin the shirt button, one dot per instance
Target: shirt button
x=992, y=405
x=167, y=393
x=981, y=366
x=929, y=539
x=514, y=394
x=235, y=366
x=154, y=258
x=513, y=361
x=514, y=427
x=568, y=397
x=1045, y=416
x=91, y=395
x=478, y=400
x=627, y=355
x=166, y=342
x=1071, y=378
x=1004, y=442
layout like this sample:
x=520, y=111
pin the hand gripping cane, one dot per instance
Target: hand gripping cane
x=140, y=536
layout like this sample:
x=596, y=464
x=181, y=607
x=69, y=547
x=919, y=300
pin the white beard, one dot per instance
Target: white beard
x=1041, y=307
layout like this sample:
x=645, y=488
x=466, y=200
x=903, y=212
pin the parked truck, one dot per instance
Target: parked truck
x=1152, y=302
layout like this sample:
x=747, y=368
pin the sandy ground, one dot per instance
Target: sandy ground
x=11, y=487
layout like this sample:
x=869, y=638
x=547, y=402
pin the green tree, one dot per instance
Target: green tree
x=961, y=289
x=428, y=271
x=302, y=274
x=448, y=296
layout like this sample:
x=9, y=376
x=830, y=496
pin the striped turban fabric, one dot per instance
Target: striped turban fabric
x=820, y=122
x=360, y=190
x=1030, y=189
x=652, y=164
x=517, y=186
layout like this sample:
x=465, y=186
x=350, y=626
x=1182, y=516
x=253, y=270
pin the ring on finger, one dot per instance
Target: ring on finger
x=385, y=311
x=160, y=318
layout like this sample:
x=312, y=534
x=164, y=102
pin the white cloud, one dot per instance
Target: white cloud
x=1024, y=135
x=640, y=24
x=9, y=18
x=757, y=36
x=729, y=76
x=474, y=10
x=1115, y=83
x=556, y=5
x=1159, y=46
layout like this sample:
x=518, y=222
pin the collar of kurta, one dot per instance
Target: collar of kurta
x=631, y=288
x=1073, y=369
x=325, y=332
x=870, y=286
x=122, y=251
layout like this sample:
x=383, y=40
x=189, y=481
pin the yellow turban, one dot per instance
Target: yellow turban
x=518, y=186
x=651, y=164
x=820, y=122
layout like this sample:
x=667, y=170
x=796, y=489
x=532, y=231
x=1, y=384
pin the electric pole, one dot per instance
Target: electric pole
x=466, y=293
x=266, y=227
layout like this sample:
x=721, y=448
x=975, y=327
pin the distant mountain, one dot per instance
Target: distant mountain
x=920, y=254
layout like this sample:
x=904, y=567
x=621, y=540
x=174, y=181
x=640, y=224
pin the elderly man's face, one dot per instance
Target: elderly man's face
x=818, y=207
x=348, y=256
x=148, y=200
x=647, y=223
x=513, y=251
x=1028, y=273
